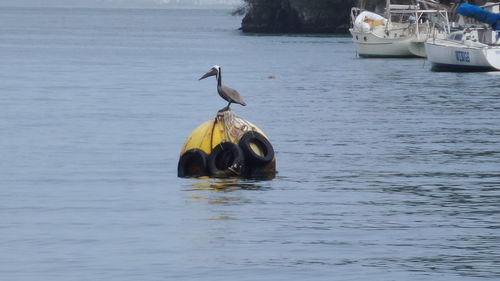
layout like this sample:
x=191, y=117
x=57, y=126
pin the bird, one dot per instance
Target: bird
x=229, y=94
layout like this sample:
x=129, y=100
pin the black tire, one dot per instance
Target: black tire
x=226, y=160
x=193, y=163
x=260, y=142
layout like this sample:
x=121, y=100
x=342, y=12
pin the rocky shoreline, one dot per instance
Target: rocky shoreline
x=290, y=16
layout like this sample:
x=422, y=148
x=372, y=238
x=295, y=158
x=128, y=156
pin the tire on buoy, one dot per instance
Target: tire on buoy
x=193, y=163
x=257, y=149
x=226, y=160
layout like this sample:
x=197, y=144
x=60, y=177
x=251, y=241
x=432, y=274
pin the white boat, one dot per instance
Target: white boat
x=401, y=33
x=465, y=50
x=471, y=49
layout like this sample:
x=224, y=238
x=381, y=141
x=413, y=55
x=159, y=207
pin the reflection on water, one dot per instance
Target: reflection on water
x=225, y=184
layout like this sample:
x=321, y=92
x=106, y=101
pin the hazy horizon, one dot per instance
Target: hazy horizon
x=120, y=3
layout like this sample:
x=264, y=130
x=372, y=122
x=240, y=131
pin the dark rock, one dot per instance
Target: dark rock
x=297, y=16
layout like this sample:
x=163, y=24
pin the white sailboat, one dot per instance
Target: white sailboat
x=470, y=49
x=400, y=33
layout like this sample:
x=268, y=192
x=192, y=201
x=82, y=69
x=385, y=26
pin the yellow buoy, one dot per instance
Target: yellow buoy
x=227, y=146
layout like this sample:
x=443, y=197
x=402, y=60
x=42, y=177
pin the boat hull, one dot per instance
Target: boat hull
x=418, y=49
x=449, y=56
x=371, y=45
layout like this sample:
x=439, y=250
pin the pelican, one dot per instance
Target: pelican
x=230, y=95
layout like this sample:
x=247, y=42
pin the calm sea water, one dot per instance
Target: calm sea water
x=387, y=171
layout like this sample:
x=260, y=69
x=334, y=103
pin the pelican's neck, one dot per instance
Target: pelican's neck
x=219, y=77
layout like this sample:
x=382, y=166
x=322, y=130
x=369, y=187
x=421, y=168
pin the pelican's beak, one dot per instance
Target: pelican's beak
x=211, y=72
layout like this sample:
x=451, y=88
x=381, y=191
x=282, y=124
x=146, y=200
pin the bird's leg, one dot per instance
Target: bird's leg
x=225, y=108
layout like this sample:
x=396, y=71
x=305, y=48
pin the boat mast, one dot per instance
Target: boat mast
x=417, y=19
x=361, y=4
x=388, y=14
x=388, y=9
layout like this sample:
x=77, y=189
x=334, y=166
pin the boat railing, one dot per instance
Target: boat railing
x=436, y=16
x=403, y=7
x=355, y=11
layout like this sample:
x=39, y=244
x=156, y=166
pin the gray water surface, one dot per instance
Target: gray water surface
x=387, y=171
